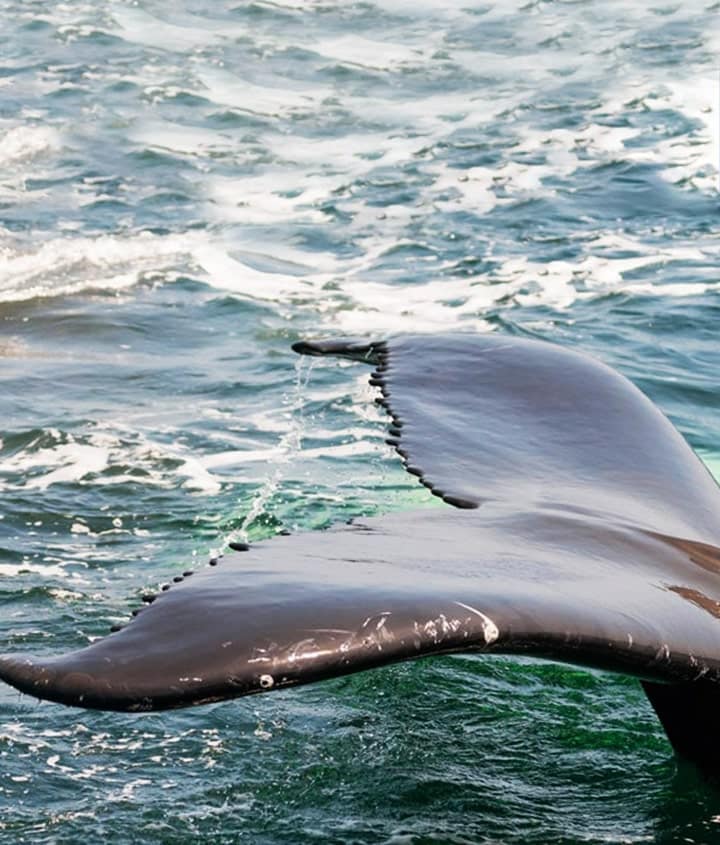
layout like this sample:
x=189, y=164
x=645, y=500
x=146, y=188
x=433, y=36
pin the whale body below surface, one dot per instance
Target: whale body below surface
x=579, y=527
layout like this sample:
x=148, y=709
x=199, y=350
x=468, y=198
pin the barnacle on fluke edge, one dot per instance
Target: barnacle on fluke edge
x=582, y=528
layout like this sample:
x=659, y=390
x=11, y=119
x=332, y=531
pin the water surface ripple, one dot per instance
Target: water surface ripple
x=186, y=189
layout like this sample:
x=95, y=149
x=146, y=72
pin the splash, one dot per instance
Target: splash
x=288, y=448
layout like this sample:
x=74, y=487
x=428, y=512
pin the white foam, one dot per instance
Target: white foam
x=355, y=304
x=79, y=528
x=24, y=143
x=696, y=157
x=71, y=264
x=306, y=174
x=141, y=27
x=422, y=119
x=178, y=138
x=692, y=157
x=273, y=197
x=225, y=88
x=302, y=174
x=12, y=569
x=421, y=307
x=234, y=276
x=69, y=462
x=428, y=8
x=241, y=457
x=375, y=54
x=198, y=478
x=151, y=464
x=561, y=283
x=139, y=451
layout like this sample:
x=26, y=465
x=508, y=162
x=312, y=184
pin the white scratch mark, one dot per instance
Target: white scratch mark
x=490, y=629
x=663, y=653
x=382, y=617
x=295, y=651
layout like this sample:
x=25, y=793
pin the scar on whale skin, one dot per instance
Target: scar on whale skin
x=576, y=524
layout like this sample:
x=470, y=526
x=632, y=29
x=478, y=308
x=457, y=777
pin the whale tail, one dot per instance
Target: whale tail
x=689, y=714
x=580, y=527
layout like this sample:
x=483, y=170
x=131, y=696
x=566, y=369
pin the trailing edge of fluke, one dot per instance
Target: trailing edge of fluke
x=579, y=527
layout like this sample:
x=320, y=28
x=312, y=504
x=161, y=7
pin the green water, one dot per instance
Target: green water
x=184, y=192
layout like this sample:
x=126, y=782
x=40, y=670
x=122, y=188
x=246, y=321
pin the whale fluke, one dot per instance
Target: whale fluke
x=580, y=527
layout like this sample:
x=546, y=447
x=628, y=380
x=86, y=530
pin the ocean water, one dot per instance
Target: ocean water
x=188, y=188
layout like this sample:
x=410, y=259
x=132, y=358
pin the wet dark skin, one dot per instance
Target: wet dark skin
x=579, y=526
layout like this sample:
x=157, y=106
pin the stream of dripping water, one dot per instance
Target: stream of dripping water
x=289, y=445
